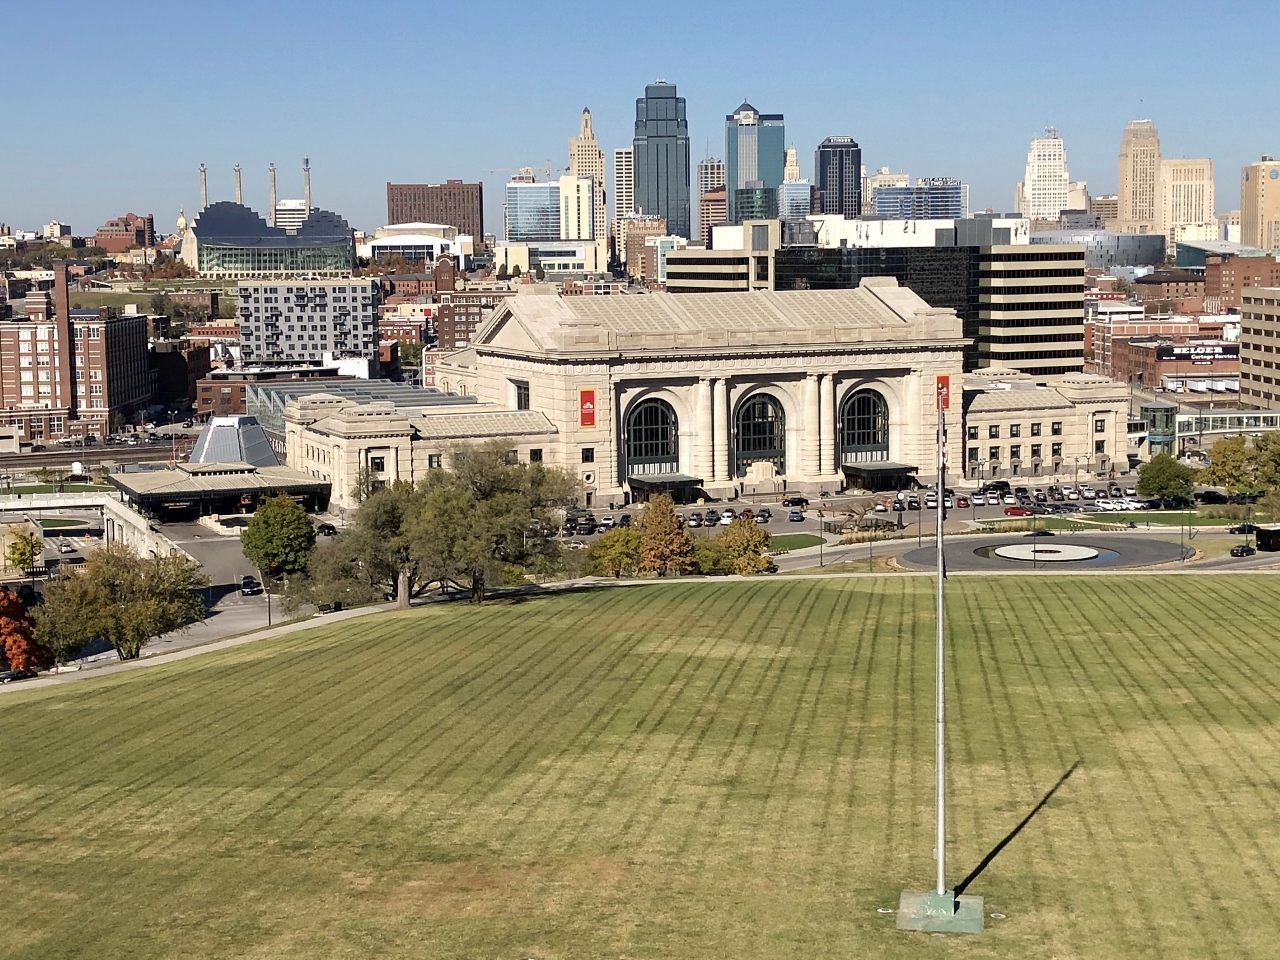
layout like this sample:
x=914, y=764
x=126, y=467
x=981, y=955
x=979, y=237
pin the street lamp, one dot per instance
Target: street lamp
x=821, y=539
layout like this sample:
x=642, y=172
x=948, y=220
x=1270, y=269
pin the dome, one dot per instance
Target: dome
x=182, y=220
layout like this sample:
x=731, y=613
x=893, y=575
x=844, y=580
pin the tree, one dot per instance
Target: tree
x=125, y=599
x=617, y=552
x=1232, y=464
x=279, y=537
x=365, y=484
x=161, y=304
x=17, y=645
x=24, y=551
x=539, y=273
x=384, y=534
x=502, y=272
x=744, y=547
x=1163, y=476
x=515, y=271
x=665, y=547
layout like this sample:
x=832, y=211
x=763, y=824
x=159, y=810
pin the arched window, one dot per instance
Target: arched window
x=653, y=438
x=864, y=428
x=761, y=429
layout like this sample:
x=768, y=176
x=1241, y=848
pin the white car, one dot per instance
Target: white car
x=1130, y=491
x=1104, y=503
x=1010, y=500
x=1071, y=494
x=993, y=499
x=727, y=516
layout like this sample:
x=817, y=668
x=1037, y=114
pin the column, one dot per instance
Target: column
x=720, y=430
x=828, y=448
x=704, y=449
x=810, y=429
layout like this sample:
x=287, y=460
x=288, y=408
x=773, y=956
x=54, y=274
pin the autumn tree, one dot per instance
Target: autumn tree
x=1163, y=476
x=744, y=548
x=665, y=546
x=125, y=599
x=615, y=553
x=279, y=537
x=24, y=551
x=19, y=648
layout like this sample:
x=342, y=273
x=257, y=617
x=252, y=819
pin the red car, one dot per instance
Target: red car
x=1017, y=512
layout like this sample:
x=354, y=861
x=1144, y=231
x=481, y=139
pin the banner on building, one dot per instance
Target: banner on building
x=944, y=392
x=586, y=408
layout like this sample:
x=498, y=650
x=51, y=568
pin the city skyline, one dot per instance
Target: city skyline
x=260, y=112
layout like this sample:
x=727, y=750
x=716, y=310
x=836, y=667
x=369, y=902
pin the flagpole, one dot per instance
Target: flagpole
x=940, y=758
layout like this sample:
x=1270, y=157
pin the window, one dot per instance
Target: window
x=1100, y=446
x=1015, y=451
x=1055, y=428
x=761, y=433
x=1035, y=451
x=1099, y=425
x=993, y=432
x=535, y=455
x=377, y=464
x=973, y=455
x=993, y=454
x=1015, y=429
x=864, y=428
x=652, y=438
x=435, y=461
x=588, y=454
x=1035, y=429
x=522, y=394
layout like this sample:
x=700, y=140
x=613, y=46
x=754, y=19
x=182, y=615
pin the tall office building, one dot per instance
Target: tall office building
x=661, y=157
x=1184, y=200
x=837, y=172
x=790, y=164
x=929, y=198
x=1030, y=309
x=713, y=208
x=1136, y=176
x=586, y=159
x=577, y=207
x=710, y=178
x=1042, y=194
x=624, y=182
x=453, y=203
x=794, y=199
x=532, y=210
x=754, y=149
x=1260, y=204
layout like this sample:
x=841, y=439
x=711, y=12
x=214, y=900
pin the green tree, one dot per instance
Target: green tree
x=383, y=536
x=516, y=271
x=46, y=475
x=539, y=273
x=1163, y=476
x=1232, y=464
x=24, y=551
x=615, y=553
x=502, y=272
x=161, y=304
x=279, y=537
x=744, y=547
x=665, y=546
x=125, y=599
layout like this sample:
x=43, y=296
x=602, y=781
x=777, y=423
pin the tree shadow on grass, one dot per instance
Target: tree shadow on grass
x=1008, y=838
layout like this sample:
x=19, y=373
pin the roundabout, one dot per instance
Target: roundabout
x=1063, y=552
x=1046, y=553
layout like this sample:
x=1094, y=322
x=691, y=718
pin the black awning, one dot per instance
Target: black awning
x=879, y=475
x=663, y=481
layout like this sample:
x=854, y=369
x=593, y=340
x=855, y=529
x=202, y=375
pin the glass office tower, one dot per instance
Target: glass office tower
x=755, y=146
x=661, y=157
x=929, y=198
x=837, y=171
x=532, y=211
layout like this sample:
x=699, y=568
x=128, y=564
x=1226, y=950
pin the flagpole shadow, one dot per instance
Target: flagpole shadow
x=1008, y=838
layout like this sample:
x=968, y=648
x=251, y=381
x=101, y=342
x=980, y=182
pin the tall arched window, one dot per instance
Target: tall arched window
x=864, y=428
x=653, y=438
x=761, y=429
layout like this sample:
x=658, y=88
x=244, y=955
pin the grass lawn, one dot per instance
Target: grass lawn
x=697, y=770
x=794, y=541
x=53, y=523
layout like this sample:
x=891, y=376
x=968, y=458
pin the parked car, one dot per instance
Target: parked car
x=585, y=528
x=948, y=502
x=66, y=548
x=1244, y=528
x=249, y=586
x=326, y=529
x=606, y=523
x=711, y=517
x=1017, y=512
x=795, y=516
x=1242, y=550
x=1040, y=533
x=38, y=448
x=764, y=515
x=13, y=676
x=748, y=513
x=993, y=499
x=624, y=520
x=694, y=521
x=1212, y=497
x=880, y=507
x=1041, y=496
x=794, y=502
x=962, y=502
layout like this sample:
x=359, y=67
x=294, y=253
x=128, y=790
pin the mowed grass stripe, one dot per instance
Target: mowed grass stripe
x=685, y=770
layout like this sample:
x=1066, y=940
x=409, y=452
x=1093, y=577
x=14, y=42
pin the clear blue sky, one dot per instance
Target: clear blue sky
x=111, y=107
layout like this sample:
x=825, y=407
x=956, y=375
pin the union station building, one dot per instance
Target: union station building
x=691, y=394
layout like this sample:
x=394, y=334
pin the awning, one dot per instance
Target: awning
x=879, y=475
x=663, y=481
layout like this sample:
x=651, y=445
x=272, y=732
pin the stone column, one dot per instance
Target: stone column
x=720, y=430
x=810, y=429
x=828, y=450
x=703, y=444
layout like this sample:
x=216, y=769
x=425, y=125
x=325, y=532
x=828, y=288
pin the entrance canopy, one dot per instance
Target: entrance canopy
x=680, y=486
x=880, y=475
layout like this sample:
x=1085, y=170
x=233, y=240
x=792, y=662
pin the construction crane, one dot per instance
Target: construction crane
x=528, y=171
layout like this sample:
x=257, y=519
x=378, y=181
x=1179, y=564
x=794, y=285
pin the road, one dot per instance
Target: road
x=62, y=455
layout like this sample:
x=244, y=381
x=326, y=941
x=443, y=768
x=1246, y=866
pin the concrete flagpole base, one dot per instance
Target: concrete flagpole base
x=939, y=913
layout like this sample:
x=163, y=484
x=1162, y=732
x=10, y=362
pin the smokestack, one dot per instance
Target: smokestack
x=271, y=199
x=239, y=196
x=204, y=189
x=306, y=185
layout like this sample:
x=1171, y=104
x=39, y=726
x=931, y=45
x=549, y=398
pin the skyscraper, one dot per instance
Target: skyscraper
x=754, y=147
x=837, y=171
x=1136, y=175
x=577, y=207
x=661, y=157
x=790, y=164
x=929, y=198
x=532, y=210
x=1260, y=204
x=1184, y=200
x=710, y=178
x=1042, y=195
x=586, y=159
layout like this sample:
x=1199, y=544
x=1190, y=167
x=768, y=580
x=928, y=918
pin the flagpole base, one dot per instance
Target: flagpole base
x=939, y=913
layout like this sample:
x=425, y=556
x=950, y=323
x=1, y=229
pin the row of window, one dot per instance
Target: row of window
x=1037, y=451
x=1015, y=430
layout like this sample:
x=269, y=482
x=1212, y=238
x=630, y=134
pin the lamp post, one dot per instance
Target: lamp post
x=821, y=539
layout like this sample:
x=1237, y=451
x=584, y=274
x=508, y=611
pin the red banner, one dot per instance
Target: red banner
x=944, y=392
x=586, y=408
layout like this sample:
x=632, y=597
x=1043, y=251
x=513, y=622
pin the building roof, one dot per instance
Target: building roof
x=233, y=440
x=481, y=423
x=878, y=310
x=193, y=480
x=404, y=395
x=229, y=224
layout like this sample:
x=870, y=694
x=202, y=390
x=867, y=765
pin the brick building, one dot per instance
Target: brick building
x=222, y=392
x=403, y=329
x=408, y=285
x=178, y=366
x=453, y=202
x=131, y=230
x=1113, y=322
x=460, y=312
x=1176, y=363
x=1227, y=274
x=1184, y=290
